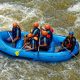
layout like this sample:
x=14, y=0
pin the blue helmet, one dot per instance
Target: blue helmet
x=71, y=33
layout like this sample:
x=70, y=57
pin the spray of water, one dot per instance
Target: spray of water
x=9, y=10
x=76, y=9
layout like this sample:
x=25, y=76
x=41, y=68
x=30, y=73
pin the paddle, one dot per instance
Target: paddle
x=41, y=22
x=17, y=52
x=70, y=52
x=10, y=36
x=73, y=55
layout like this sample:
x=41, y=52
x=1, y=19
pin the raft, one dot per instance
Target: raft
x=44, y=56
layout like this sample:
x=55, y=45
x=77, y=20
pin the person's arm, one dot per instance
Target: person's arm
x=9, y=31
x=15, y=39
x=26, y=41
x=64, y=42
x=44, y=45
x=74, y=43
x=30, y=49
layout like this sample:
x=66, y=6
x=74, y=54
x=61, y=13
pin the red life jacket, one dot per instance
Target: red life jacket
x=48, y=36
x=69, y=45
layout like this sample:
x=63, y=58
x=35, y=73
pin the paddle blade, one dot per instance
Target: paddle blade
x=17, y=53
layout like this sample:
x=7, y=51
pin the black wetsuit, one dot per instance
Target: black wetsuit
x=35, y=43
x=69, y=43
x=16, y=32
x=47, y=40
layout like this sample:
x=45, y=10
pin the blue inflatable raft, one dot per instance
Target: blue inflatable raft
x=45, y=56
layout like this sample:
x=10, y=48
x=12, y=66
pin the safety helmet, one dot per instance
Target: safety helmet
x=30, y=35
x=71, y=33
x=47, y=26
x=44, y=33
x=15, y=24
x=36, y=24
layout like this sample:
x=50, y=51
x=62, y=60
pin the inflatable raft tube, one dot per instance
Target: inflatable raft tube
x=45, y=56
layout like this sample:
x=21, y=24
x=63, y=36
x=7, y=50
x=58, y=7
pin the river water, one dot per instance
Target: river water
x=63, y=15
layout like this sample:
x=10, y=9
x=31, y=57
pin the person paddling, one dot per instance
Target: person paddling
x=46, y=37
x=16, y=33
x=69, y=42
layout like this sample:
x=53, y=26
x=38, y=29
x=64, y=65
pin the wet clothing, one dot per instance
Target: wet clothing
x=46, y=40
x=36, y=33
x=49, y=36
x=16, y=32
x=69, y=43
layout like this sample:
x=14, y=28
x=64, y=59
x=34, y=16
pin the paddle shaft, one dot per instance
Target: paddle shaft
x=70, y=52
x=10, y=36
x=39, y=45
x=21, y=48
x=74, y=56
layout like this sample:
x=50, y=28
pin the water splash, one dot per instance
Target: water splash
x=75, y=8
x=10, y=11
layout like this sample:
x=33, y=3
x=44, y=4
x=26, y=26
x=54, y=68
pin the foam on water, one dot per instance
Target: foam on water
x=76, y=8
x=16, y=69
x=10, y=8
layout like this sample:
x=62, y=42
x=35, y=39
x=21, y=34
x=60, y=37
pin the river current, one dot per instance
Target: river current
x=63, y=15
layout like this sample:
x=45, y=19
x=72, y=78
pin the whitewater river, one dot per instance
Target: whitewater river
x=63, y=15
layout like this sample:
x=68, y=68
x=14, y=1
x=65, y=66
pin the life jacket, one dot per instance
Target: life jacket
x=69, y=45
x=14, y=32
x=36, y=32
x=49, y=35
x=69, y=42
